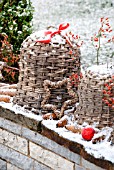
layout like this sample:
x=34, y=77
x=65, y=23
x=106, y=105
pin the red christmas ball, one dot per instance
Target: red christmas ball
x=88, y=133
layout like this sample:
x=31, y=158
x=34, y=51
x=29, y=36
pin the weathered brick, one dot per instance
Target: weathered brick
x=39, y=166
x=10, y=126
x=16, y=158
x=12, y=167
x=49, y=158
x=21, y=119
x=53, y=146
x=77, y=167
x=13, y=141
x=90, y=166
x=3, y=165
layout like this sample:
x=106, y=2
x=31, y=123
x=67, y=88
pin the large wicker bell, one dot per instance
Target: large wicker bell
x=46, y=55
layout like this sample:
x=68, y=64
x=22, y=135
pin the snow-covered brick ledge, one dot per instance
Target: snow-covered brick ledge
x=28, y=143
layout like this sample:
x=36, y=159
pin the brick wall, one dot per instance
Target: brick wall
x=22, y=148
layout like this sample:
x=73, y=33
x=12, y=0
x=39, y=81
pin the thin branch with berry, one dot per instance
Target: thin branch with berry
x=102, y=36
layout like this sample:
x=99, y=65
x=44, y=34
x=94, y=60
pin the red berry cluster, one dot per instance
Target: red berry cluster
x=76, y=38
x=75, y=79
x=102, y=32
x=108, y=93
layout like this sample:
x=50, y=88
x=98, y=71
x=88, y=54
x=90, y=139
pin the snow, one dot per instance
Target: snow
x=100, y=70
x=56, y=39
x=101, y=150
x=38, y=35
x=20, y=110
x=84, y=19
x=7, y=90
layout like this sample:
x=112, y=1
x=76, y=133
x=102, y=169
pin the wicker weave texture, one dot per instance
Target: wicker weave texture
x=39, y=62
x=91, y=107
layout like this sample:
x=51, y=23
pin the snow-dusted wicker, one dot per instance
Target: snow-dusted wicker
x=38, y=62
x=92, y=108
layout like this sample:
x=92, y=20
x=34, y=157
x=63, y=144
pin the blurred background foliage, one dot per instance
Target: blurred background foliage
x=15, y=25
